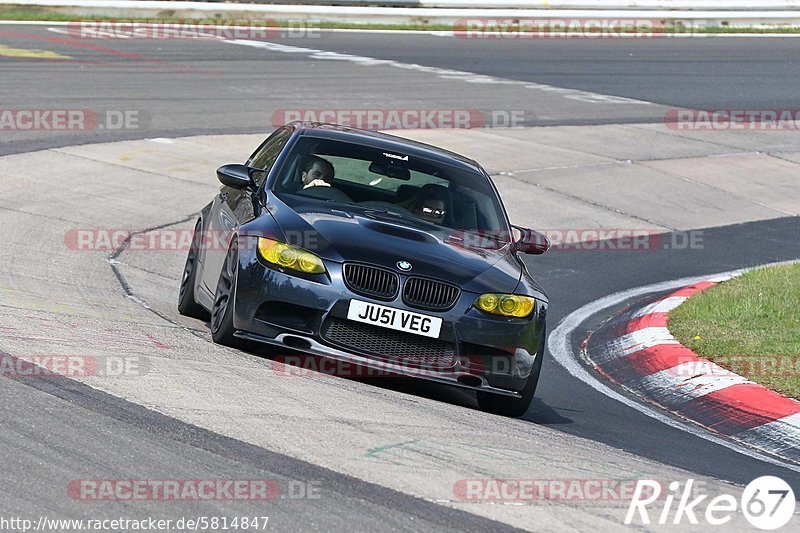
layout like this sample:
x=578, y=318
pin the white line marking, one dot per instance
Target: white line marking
x=450, y=74
x=59, y=31
x=560, y=346
x=662, y=306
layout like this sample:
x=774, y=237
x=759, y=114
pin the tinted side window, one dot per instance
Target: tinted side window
x=266, y=155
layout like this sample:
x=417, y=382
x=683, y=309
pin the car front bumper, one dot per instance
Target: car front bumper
x=491, y=354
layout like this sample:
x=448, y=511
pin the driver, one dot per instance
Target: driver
x=317, y=172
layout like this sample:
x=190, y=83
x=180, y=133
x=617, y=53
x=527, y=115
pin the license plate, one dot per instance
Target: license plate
x=392, y=318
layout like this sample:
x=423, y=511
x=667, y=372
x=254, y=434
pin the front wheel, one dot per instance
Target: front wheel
x=222, y=311
x=511, y=406
x=187, y=305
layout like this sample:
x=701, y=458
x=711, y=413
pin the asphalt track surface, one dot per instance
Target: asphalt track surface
x=704, y=73
x=191, y=87
x=208, y=87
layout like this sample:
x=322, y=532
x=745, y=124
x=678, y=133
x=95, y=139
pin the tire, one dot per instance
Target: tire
x=508, y=405
x=187, y=305
x=222, y=311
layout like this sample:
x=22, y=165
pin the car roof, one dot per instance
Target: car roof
x=384, y=141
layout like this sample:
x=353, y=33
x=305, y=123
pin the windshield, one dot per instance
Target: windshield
x=402, y=186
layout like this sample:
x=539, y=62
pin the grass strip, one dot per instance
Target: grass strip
x=749, y=325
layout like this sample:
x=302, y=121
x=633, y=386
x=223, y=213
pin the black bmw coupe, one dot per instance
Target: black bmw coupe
x=375, y=250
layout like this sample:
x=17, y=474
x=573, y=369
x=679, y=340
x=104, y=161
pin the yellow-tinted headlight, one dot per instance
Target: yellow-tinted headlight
x=506, y=304
x=288, y=256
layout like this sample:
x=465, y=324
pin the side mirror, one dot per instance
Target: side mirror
x=528, y=241
x=236, y=176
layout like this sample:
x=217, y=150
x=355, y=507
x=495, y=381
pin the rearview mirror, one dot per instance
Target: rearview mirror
x=236, y=176
x=528, y=241
x=390, y=171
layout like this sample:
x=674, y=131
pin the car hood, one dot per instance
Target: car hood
x=351, y=233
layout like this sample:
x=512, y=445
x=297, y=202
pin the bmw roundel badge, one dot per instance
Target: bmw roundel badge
x=405, y=266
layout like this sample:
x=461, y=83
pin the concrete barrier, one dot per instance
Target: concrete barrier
x=686, y=5
x=683, y=5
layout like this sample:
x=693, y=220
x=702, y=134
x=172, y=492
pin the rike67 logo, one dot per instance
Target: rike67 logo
x=767, y=503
